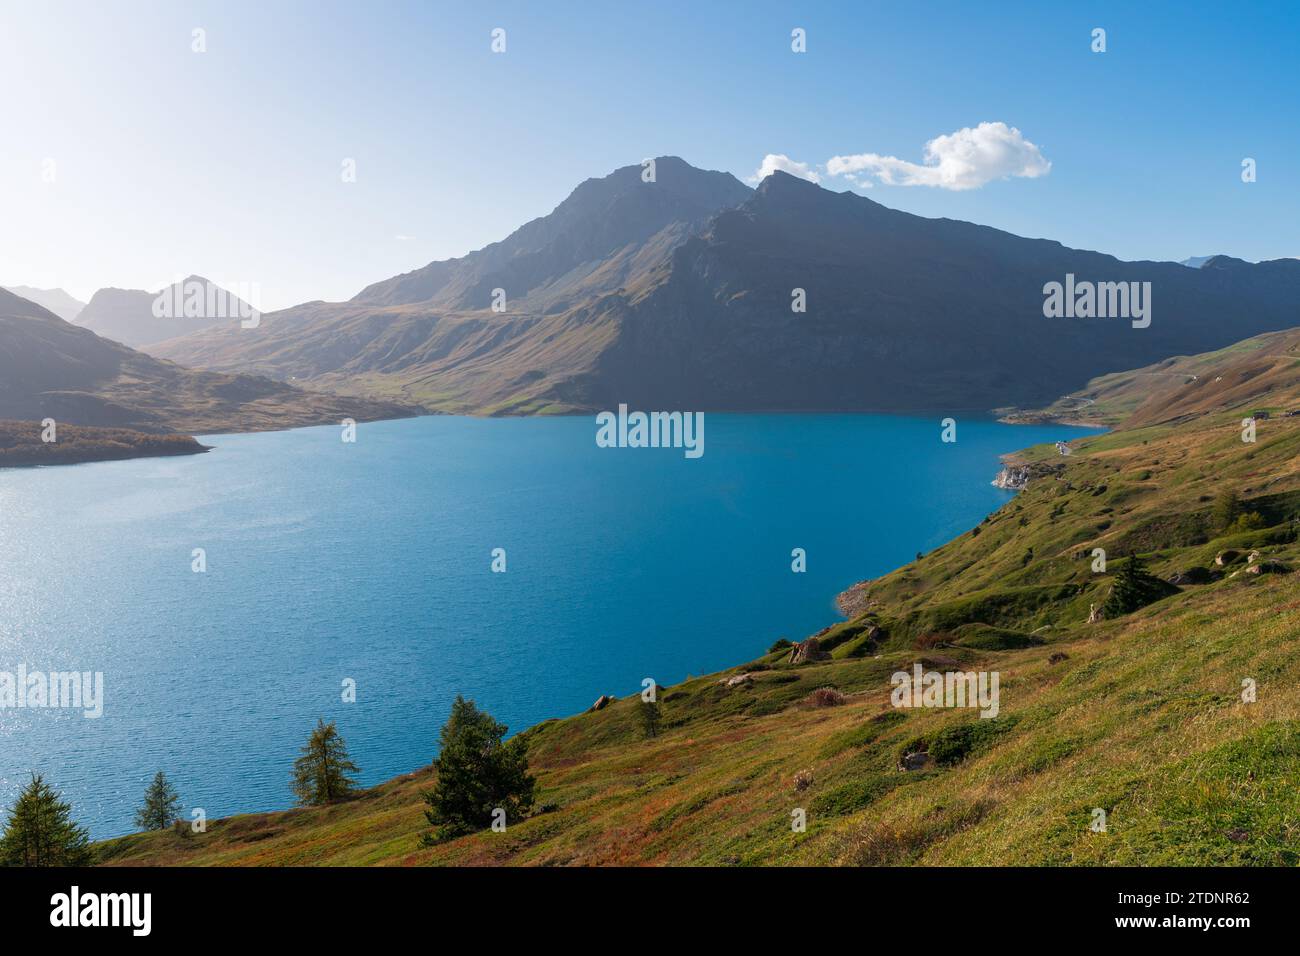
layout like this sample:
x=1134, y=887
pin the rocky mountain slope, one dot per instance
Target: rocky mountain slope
x=678, y=294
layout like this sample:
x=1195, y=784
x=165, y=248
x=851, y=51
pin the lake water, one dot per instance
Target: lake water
x=372, y=561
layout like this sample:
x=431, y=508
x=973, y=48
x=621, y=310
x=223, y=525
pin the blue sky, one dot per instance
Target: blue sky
x=228, y=163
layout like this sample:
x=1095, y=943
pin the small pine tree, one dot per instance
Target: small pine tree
x=650, y=717
x=40, y=831
x=1226, y=508
x=1134, y=588
x=477, y=774
x=323, y=773
x=161, y=805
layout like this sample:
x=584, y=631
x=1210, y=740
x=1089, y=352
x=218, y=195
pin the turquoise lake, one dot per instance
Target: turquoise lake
x=372, y=561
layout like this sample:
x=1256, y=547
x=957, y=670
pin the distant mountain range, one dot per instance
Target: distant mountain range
x=56, y=300
x=677, y=293
x=127, y=315
x=51, y=368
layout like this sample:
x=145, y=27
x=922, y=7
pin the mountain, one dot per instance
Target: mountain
x=56, y=300
x=1195, y=262
x=1140, y=714
x=51, y=368
x=431, y=337
x=127, y=315
x=631, y=292
x=607, y=231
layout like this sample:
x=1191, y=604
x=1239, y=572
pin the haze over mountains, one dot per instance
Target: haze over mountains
x=127, y=315
x=51, y=368
x=56, y=300
x=677, y=293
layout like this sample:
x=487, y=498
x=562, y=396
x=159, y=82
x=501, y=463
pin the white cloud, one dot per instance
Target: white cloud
x=774, y=161
x=966, y=159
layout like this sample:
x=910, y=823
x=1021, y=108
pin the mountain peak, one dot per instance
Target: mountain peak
x=615, y=217
x=127, y=315
x=780, y=180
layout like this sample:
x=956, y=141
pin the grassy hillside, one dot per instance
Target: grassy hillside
x=1141, y=715
x=1258, y=369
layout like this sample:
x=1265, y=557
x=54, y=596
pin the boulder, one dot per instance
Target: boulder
x=916, y=761
x=603, y=701
x=737, y=680
x=809, y=650
x=1193, y=575
x=1224, y=558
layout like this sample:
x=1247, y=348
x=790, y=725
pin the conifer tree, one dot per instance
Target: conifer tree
x=323, y=773
x=477, y=774
x=161, y=805
x=1134, y=588
x=650, y=717
x=40, y=831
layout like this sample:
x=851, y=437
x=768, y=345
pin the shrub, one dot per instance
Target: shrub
x=1226, y=508
x=1247, y=521
x=956, y=742
x=825, y=697
x=988, y=638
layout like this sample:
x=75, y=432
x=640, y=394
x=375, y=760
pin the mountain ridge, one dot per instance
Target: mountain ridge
x=904, y=313
x=58, y=301
x=52, y=368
